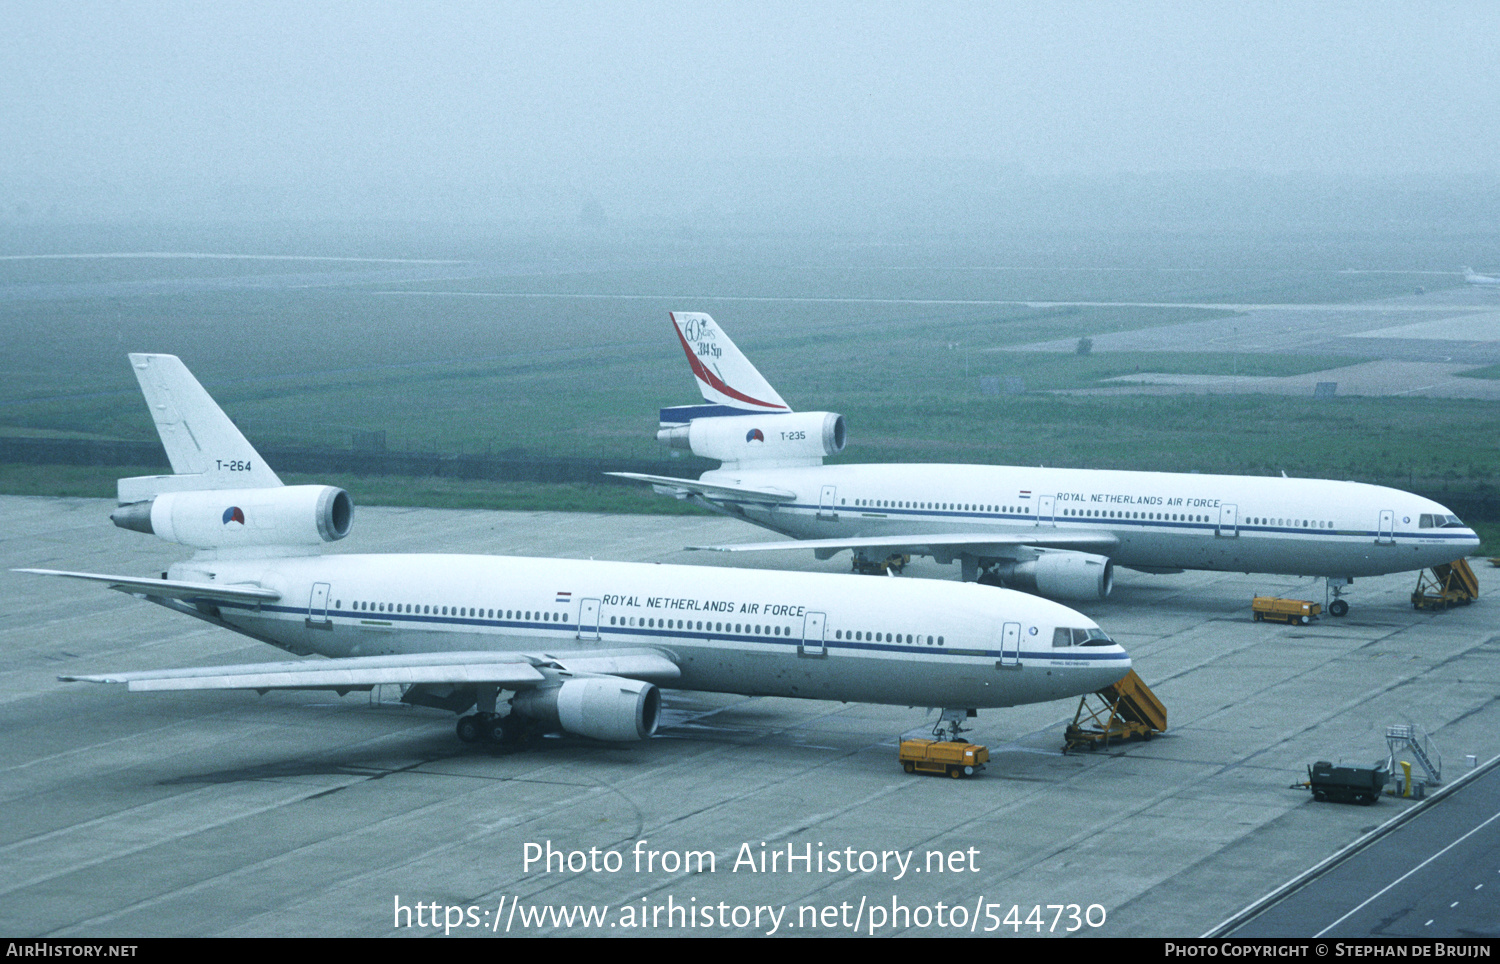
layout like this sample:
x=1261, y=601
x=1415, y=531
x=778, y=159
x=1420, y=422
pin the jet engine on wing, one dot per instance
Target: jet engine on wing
x=792, y=438
x=1058, y=575
x=601, y=707
x=296, y=515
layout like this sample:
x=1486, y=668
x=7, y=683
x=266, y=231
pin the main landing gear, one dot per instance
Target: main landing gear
x=487, y=726
x=891, y=565
x=494, y=730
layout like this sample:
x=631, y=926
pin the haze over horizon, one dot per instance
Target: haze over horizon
x=819, y=114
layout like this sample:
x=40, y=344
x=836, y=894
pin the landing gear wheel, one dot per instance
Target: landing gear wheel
x=1338, y=608
x=468, y=729
x=495, y=730
x=990, y=579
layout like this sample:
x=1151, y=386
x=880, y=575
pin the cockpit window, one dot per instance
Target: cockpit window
x=1438, y=520
x=1080, y=637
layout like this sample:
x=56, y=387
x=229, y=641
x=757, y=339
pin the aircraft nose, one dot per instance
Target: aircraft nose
x=1110, y=671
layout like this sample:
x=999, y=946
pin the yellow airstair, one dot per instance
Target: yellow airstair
x=1128, y=710
x=1442, y=587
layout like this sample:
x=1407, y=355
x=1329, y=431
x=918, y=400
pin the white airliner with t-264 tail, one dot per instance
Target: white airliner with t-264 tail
x=517, y=645
x=1057, y=532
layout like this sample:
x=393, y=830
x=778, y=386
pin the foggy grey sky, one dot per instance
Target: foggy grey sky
x=157, y=98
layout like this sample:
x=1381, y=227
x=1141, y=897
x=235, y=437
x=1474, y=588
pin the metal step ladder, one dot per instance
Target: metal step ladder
x=1128, y=710
x=1446, y=585
x=1404, y=738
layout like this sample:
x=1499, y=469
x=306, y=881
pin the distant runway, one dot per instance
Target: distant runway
x=307, y=814
x=1419, y=344
x=793, y=300
x=1386, y=378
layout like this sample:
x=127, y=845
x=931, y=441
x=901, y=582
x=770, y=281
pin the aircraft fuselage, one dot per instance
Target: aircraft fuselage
x=819, y=636
x=1168, y=521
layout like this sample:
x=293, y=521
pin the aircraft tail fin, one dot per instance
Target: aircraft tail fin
x=205, y=448
x=729, y=383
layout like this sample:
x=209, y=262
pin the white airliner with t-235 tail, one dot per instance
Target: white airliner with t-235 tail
x=1057, y=532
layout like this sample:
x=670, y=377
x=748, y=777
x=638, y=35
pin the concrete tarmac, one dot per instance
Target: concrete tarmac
x=291, y=814
x=1431, y=875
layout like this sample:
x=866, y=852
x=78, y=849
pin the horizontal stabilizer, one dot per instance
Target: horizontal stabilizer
x=712, y=490
x=969, y=543
x=684, y=414
x=171, y=588
x=506, y=669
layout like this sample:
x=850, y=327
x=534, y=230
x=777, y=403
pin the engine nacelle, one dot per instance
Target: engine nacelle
x=601, y=707
x=293, y=515
x=796, y=438
x=1062, y=575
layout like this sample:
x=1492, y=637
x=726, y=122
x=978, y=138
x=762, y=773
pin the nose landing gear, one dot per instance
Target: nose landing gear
x=1333, y=600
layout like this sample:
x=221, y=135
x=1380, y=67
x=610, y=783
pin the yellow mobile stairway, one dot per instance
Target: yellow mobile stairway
x=1128, y=710
x=1450, y=584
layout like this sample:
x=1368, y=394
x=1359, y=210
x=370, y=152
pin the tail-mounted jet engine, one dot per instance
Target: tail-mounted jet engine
x=794, y=438
x=1057, y=575
x=295, y=515
x=601, y=707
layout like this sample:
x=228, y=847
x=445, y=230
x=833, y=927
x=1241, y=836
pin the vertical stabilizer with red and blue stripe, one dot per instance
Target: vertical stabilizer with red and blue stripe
x=729, y=383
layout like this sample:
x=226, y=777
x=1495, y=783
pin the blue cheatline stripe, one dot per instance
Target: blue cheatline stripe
x=788, y=642
x=1094, y=521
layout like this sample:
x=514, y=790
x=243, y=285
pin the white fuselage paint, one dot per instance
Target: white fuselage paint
x=754, y=632
x=1304, y=527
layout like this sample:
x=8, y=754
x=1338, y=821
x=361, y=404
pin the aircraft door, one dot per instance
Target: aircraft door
x=317, y=607
x=812, y=636
x=588, y=619
x=1044, y=510
x=1229, y=525
x=1010, y=646
x=1387, y=534
x=826, y=509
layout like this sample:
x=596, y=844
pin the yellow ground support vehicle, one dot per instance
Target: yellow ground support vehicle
x=955, y=758
x=1285, y=610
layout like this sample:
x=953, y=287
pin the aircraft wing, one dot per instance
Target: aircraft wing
x=667, y=485
x=969, y=543
x=509, y=670
x=172, y=588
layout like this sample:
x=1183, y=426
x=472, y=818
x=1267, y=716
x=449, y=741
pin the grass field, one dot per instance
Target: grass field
x=555, y=347
x=1489, y=371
